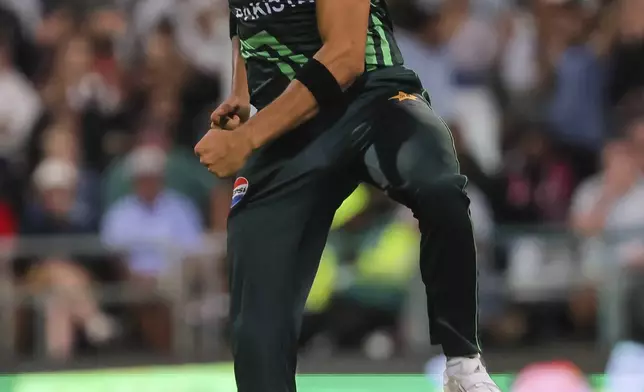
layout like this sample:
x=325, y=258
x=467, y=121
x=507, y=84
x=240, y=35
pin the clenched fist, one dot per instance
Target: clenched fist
x=230, y=114
x=224, y=153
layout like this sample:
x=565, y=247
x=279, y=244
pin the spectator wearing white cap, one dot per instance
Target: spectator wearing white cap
x=62, y=277
x=155, y=230
x=57, y=207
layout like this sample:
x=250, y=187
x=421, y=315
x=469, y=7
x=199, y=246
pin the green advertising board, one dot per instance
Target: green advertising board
x=216, y=378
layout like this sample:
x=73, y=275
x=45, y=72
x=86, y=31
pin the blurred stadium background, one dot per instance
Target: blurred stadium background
x=112, y=236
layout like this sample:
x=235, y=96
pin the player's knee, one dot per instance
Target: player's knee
x=441, y=198
x=441, y=188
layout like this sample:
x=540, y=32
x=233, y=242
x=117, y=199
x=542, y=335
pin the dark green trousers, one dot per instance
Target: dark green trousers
x=285, y=201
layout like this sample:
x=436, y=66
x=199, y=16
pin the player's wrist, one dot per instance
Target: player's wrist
x=252, y=137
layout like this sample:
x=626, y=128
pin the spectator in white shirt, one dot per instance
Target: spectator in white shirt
x=609, y=203
x=20, y=105
x=607, y=212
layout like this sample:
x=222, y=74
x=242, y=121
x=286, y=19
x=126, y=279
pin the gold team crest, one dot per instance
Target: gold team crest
x=404, y=97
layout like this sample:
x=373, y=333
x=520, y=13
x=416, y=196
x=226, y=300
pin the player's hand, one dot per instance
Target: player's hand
x=224, y=153
x=230, y=114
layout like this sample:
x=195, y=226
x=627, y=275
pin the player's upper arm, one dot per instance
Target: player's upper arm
x=239, y=81
x=232, y=24
x=343, y=26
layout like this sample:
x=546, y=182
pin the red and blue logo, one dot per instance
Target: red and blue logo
x=239, y=190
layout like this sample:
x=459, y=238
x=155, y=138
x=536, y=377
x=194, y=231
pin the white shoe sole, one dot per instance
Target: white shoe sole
x=453, y=387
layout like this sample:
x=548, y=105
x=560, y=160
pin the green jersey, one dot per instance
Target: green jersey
x=279, y=36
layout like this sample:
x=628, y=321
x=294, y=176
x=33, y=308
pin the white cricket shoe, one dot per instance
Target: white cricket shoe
x=467, y=375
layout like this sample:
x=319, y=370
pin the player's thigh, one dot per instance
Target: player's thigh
x=411, y=152
x=275, y=243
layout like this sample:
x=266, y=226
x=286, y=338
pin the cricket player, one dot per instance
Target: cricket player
x=336, y=108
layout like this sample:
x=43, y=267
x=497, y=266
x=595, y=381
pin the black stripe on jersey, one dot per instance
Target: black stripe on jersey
x=377, y=43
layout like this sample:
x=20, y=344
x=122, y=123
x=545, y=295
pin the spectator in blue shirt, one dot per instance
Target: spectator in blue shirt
x=155, y=230
x=154, y=227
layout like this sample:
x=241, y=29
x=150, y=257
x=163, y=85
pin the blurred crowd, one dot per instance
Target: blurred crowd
x=102, y=101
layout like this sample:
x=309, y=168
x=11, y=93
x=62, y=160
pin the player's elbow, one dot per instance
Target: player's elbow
x=350, y=62
x=355, y=60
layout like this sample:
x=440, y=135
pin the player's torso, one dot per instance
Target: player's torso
x=279, y=36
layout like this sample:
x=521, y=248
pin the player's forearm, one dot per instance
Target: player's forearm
x=294, y=107
x=297, y=105
x=239, y=80
x=343, y=28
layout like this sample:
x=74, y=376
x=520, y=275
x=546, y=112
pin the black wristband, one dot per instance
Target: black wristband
x=233, y=25
x=322, y=84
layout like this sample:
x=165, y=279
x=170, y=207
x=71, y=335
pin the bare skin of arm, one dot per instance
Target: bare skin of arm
x=237, y=106
x=592, y=223
x=343, y=28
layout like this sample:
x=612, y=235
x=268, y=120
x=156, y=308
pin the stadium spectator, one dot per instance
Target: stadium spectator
x=156, y=230
x=20, y=105
x=537, y=185
x=79, y=81
x=194, y=88
x=607, y=214
x=83, y=93
x=20, y=19
x=60, y=206
x=473, y=47
x=538, y=179
x=607, y=204
x=8, y=224
x=59, y=22
x=627, y=53
x=55, y=272
x=574, y=79
x=182, y=174
x=518, y=65
x=454, y=50
x=424, y=50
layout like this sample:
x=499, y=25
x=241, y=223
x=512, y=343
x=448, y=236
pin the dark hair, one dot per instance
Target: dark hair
x=102, y=46
x=6, y=40
x=165, y=27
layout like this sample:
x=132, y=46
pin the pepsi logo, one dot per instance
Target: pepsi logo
x=239, y=191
